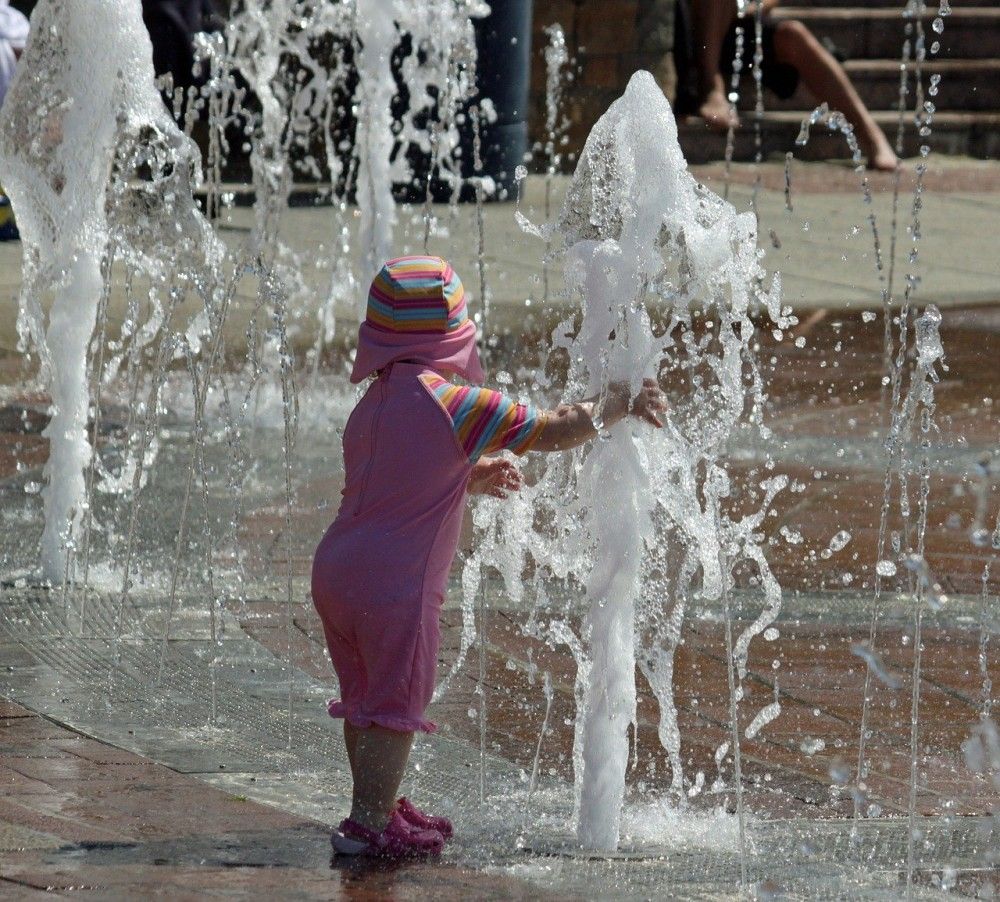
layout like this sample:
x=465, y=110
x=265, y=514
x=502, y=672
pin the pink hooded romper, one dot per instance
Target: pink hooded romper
x=380, y=572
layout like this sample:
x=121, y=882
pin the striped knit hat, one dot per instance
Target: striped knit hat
x=417, y=295
x=417, y=312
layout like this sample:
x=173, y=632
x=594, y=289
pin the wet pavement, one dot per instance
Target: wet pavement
x=131, y=784
x=82, y=818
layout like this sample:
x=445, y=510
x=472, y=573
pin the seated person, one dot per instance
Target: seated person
x=790, y=52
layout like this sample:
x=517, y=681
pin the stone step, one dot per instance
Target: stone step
x=971, y=32
x=968, y=133
x=968, y=85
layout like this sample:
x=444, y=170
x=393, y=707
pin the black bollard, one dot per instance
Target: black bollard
x=503, y=39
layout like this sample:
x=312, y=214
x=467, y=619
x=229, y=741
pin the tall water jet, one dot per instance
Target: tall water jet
x=614, y=488
x=301, y=59
x=378, y=35
x=84, y=133
x=637, y=227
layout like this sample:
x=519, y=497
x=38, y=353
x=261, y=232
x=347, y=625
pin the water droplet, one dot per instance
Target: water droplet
x=938, y=25
x=810, y=746
x=980, y=537
x=839, y=772
x=885, y=568
x=839, y=541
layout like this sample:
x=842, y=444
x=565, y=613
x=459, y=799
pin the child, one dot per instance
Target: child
x=414, y=446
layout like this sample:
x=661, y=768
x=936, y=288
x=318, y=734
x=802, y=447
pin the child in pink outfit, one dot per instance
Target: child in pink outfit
x=414, y=446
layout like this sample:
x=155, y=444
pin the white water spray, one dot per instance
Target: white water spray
x=378, y=35
x=76, y=126
x=636, y=225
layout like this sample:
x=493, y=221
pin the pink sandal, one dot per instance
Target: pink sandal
x=413, y=815
x=399, y=839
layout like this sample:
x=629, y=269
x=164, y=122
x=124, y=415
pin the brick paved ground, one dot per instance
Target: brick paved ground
x=820, y=688
x=82, y=818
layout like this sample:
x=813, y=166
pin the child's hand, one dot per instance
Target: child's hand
x=649, y=402
x=494, y=476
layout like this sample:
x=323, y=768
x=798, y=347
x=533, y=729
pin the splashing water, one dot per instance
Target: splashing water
x=89, y=171
x=635, y=226
x=106, y=175
x=556, y=61
x=665, y=273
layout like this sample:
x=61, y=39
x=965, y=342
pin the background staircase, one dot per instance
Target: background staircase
x=967, y=118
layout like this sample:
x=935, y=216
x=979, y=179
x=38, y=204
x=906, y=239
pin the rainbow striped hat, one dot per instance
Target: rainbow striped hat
x=417, y=295
x=417, y=312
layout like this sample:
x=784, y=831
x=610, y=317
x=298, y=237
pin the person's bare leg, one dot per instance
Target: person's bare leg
x=795, y=45
x=351, y=734
x=712, y=19
x=380, y=757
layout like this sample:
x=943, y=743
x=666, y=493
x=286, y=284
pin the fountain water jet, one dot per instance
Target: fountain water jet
x=636, y=225
x=68, y=154
x=698, y=542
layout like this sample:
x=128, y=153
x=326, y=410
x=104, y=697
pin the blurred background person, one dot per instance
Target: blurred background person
x=13, y=37
x=790, y=52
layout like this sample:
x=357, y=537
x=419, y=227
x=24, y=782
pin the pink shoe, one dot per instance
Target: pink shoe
x=413, y=815
x=398, y=840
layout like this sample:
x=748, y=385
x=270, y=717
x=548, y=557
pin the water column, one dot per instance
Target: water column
x=637, y=228
x=614, y=487
x=611, y=264
x=264, y=29
x=378, y=34
x=58, y=137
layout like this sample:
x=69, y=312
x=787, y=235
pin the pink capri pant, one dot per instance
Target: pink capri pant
x=384, y=651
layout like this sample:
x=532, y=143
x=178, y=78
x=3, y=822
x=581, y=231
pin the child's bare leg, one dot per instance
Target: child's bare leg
x=380, y=757
x=795, y=45
x=712, y=21
x=351, y=734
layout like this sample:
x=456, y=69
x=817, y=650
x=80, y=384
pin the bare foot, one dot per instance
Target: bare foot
x=883, y=160
x=716, y=109
x=880, y=153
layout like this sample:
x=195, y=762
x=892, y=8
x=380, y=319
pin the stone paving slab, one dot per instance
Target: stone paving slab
x=825, y=411
x=113, y=805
